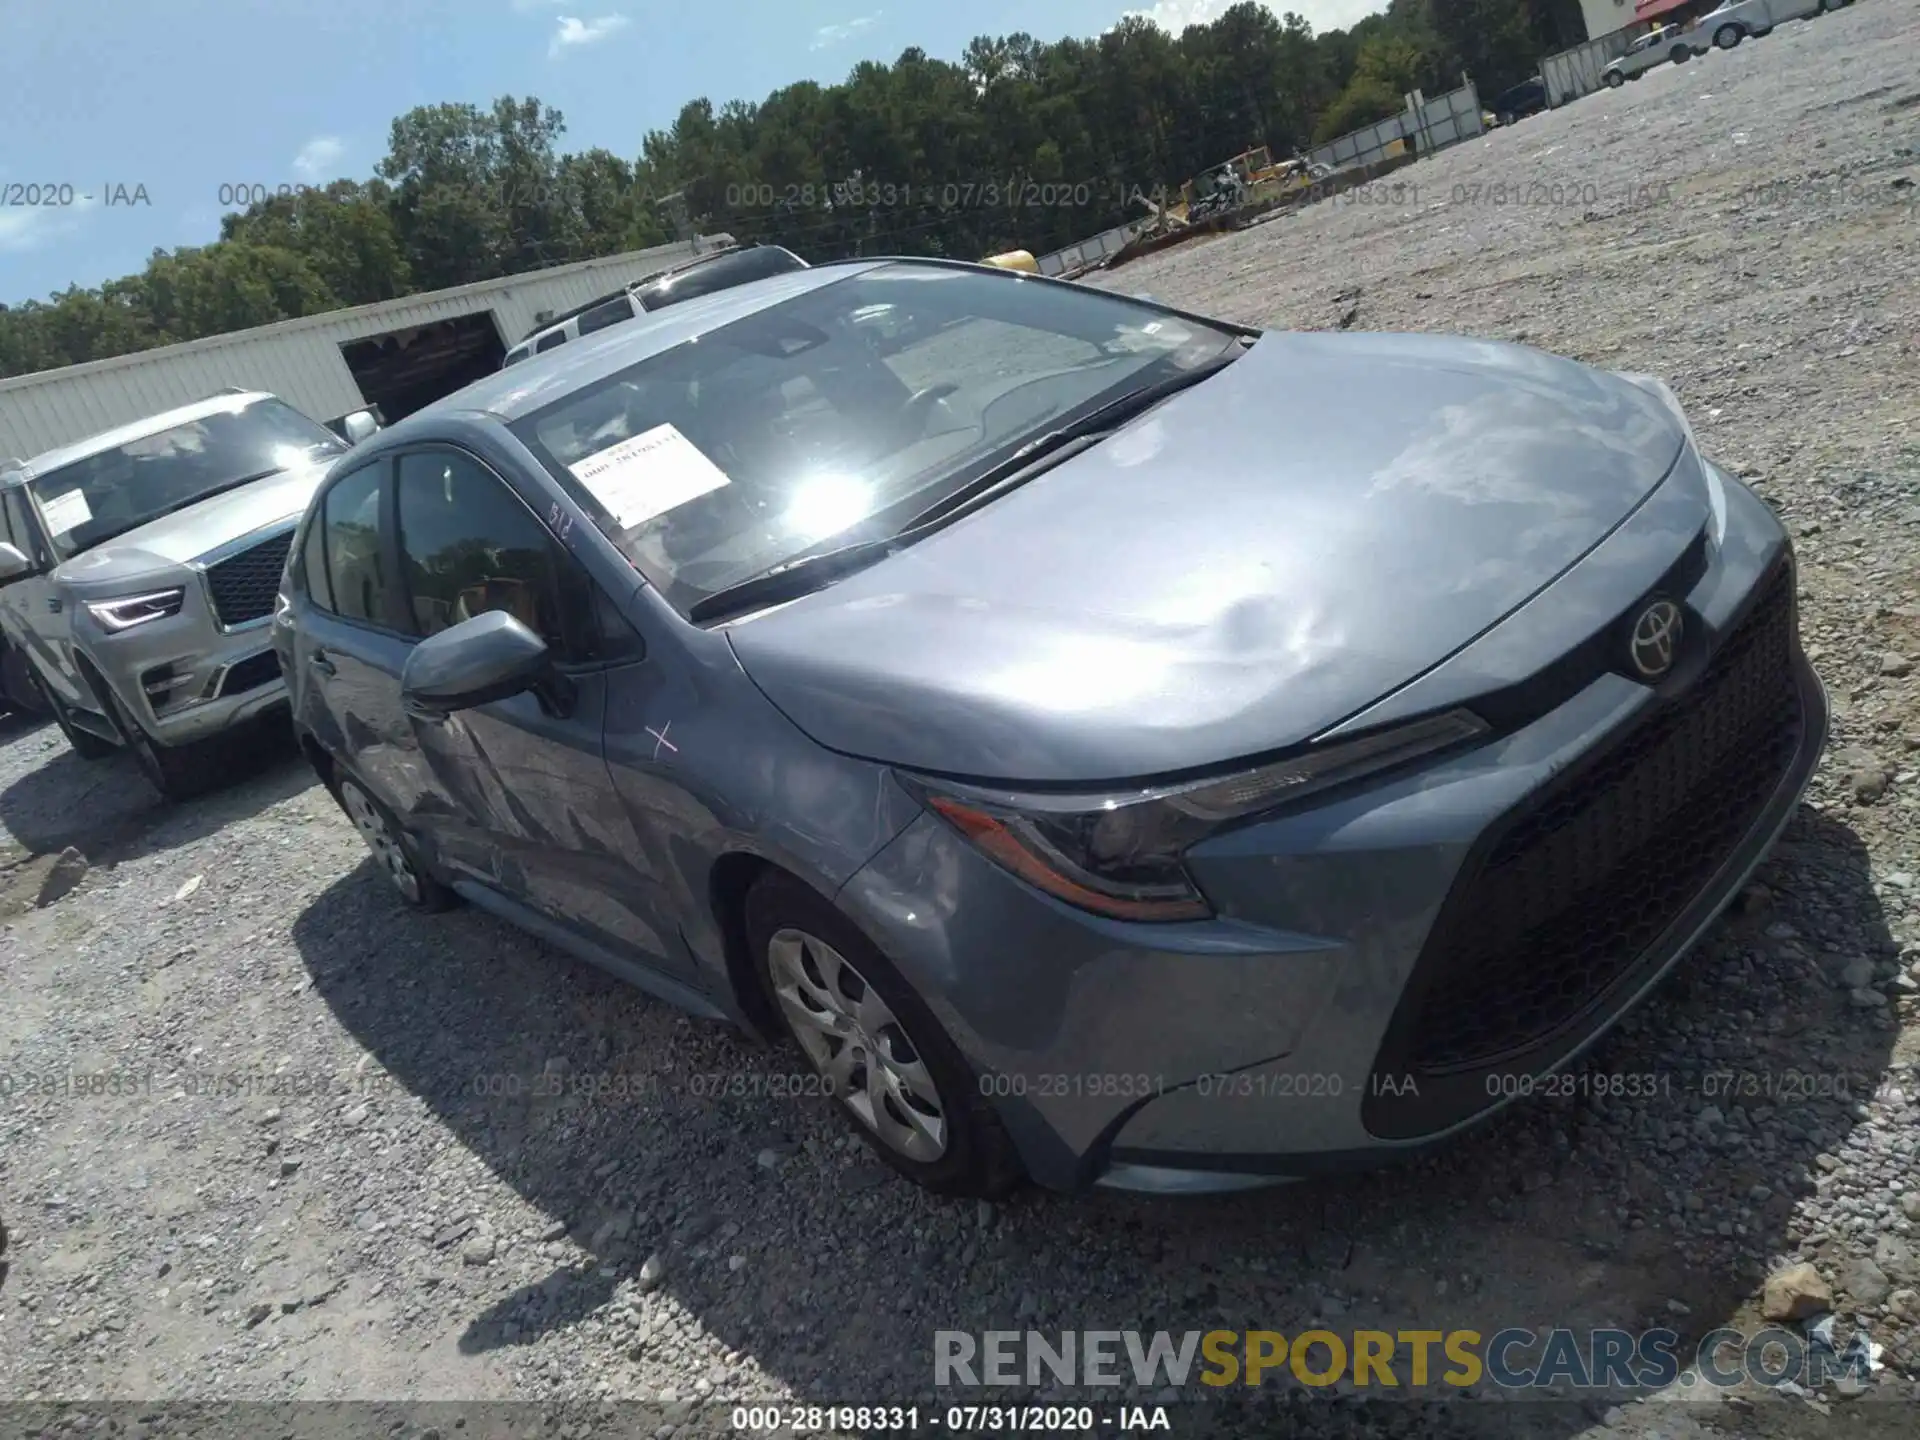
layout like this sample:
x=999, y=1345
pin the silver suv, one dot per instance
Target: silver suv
x=139, y=570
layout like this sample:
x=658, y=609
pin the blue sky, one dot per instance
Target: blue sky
x=151, y=106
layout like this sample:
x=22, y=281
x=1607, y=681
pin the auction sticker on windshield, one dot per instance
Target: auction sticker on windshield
x=648, y=474
x=64, y=512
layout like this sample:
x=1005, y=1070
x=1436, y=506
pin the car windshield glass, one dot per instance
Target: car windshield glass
x=117, y=490
x=835, y=415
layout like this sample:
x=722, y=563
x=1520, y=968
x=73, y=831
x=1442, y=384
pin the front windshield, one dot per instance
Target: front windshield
x=117, y=490
x=833, y=416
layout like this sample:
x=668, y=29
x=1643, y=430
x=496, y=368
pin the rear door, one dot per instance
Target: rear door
x=350, y=642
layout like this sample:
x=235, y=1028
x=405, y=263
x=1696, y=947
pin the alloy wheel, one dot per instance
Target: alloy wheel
x=385, y=846
x=858, y=1044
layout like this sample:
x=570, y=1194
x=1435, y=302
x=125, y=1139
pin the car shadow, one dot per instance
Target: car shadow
x=107, y=809
x=644, y=1133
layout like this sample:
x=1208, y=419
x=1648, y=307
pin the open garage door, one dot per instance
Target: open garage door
x=404, y=370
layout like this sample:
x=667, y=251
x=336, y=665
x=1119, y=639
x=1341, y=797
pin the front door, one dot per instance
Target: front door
x=535, y=814
x=36, y=620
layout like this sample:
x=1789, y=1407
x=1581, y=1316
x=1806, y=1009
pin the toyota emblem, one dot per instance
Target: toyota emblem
x=1656, y=639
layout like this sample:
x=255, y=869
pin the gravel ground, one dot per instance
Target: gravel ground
x=430, y=1206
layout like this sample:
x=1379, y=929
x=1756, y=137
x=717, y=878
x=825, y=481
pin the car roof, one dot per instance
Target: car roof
x=537, y=381
x=134, y=430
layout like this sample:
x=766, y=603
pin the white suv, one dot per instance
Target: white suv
x=1656, y=47
x=1736, y=20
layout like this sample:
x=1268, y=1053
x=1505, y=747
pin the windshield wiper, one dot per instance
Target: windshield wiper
x=1054, y=447
x=1022, y=465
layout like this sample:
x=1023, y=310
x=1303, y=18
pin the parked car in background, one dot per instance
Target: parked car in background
x=138, y=570
x=1657, y=47
x=1529, y=97
x=698, y=277
x=999, y=707
x=1733, y=22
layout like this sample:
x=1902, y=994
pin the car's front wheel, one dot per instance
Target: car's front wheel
x=876, y=1045
x=392, y=854
x=1614, y=79
x=178, y=772
x=1728, y=36
x=86, y=745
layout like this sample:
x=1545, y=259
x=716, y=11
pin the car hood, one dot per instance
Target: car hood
x=1250, y=563
x=172, y=540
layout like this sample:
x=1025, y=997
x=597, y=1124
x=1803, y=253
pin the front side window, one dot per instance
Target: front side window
x=356, y=577
x=469, y=545
x=26, y=534
x=841, y=411
x=93, y=500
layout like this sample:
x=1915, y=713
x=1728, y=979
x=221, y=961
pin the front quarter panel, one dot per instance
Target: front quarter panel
x=707, y=767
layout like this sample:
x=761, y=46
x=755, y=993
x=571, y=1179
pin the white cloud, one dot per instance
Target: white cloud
x=573, y=34
x=829, y=35
x=318, y=157
x=29, y=227
x=1173, y=16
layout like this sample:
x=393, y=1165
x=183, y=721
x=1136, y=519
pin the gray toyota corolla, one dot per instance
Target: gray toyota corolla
x=1117, y=746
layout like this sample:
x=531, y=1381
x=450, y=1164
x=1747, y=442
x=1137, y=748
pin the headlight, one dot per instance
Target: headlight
x=136, y=609
x=1122, y=854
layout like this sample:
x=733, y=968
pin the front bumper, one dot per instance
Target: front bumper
x=186, y=678
x=1388, y=968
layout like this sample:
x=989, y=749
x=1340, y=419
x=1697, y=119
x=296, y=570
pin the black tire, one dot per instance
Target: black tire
x=1680, y=54
x=1505, y=120
x=1728, y=36
x=1614, y=79
x=412, y=879
x=85, y=743
x=178, y=772
x=17, y=684
x=978, y=1159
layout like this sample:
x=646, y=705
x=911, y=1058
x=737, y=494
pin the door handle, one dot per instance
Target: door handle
x=319, y=661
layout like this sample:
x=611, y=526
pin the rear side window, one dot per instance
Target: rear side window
x=516, y=355
x=357, y=581
x=602, y=316
x=547, y=342
x=470, y=545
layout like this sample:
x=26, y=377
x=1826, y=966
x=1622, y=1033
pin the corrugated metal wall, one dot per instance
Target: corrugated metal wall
x=1441, y=121
x=1575, y=72
x=298, y=360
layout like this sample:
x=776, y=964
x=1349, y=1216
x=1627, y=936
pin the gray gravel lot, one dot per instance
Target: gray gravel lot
x=485, y=1172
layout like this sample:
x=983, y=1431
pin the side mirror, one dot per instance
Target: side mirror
x=359, y=425
x=13, y=565
x=490, y=657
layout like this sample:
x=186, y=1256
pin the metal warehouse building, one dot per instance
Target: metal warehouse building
x=398, y=354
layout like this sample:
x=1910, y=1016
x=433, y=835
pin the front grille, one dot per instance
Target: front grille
x=251, y=673
x=243, y=587
x=1590, y=874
